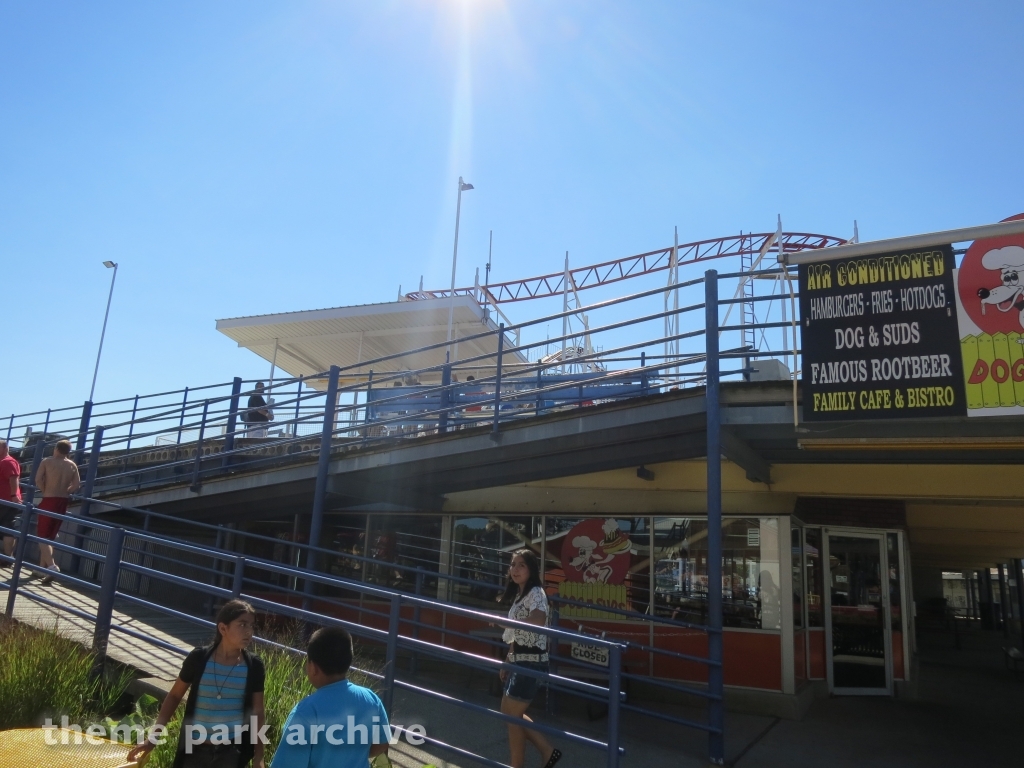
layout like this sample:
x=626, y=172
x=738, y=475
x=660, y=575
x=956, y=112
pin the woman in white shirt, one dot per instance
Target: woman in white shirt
x=528, y=603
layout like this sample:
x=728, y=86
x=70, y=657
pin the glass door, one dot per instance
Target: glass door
x=857, y=617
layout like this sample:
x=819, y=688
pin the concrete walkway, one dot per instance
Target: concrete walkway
x=968, y=711
x=964, y=710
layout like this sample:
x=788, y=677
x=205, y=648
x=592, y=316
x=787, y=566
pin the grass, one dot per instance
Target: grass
x=45, y=675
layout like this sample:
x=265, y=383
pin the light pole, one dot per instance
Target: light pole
x=96, y=370
x=463, y=186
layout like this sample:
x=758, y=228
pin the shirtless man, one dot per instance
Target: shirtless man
x=58, y=478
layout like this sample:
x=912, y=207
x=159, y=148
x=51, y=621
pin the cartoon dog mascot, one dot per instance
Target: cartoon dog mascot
x=1009, y=294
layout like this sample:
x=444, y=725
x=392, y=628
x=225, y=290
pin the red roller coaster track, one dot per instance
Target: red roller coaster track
x=634, y=266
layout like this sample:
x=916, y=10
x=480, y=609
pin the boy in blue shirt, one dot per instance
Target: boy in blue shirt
x=341, y=725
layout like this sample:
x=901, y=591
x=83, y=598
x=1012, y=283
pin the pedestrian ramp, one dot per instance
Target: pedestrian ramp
x=71, y=614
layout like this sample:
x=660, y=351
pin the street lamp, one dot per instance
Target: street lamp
x=96, y=370
x=463, y=187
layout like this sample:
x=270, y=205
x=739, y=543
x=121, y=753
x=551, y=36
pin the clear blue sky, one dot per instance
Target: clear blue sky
x=242, y=158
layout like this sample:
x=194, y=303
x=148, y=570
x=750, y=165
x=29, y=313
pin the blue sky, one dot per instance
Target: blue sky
x=241, y=158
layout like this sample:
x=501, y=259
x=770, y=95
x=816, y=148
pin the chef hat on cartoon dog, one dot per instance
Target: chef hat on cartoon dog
x=1012, y=256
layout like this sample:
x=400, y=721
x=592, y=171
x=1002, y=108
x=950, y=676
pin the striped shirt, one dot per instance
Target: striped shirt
x=227, y=710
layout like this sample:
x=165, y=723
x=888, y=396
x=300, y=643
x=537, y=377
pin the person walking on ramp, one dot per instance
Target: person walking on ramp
x=58, y=478
x=526, y=649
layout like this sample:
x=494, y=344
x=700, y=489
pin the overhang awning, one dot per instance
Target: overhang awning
x=311, y=341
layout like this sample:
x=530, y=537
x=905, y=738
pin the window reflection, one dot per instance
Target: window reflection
x=482, y=549
x=750, y=571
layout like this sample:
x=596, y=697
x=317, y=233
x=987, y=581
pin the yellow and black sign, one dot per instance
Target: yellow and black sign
x=880, y=337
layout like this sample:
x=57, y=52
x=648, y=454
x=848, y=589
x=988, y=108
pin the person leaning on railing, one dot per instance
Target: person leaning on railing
x=257, y=413
x=525, y=594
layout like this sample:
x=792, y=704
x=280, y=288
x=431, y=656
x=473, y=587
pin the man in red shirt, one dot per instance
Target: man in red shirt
x=10, y=474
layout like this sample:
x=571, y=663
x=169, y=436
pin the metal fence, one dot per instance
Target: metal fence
x=387, y=621
x=638, y=360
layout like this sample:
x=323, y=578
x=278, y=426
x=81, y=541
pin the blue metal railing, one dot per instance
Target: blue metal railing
x=381, y=412
x=395, y=640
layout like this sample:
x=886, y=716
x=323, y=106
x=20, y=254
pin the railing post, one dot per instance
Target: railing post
x=108, y=587
x=239, y=575
x=181, y=419
x=392, y=651
x=83, y=431
x=716, y=714
x=366, y=414
x=229, y=437
x=298, y=403
x=197, y=467
x=442, y=418
x=87, y=490
x=37, y=459
x=614, y=702
x=540, y=395
x=10, y=427
x=92, y=471
x=416, y=614
x=643, y=374
x=131, y=424
x=552, y=705
x=19, y=557
x=323, y=465
x=497, y=380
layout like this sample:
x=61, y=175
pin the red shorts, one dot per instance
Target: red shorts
x=46, y=526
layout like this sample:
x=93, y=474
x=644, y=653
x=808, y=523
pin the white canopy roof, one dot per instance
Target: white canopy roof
x=312, y=341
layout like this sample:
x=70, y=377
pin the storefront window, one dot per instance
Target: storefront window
x=400, y=544
x=482, y=549
x=815, y=576
x=347, y=536
x=796, y=537
x=750, y=571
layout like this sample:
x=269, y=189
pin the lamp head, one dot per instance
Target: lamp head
x=109, y=264
x=463, y=186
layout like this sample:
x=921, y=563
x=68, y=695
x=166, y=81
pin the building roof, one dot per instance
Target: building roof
x=310, y=341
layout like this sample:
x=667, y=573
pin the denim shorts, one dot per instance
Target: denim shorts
x=524, y=687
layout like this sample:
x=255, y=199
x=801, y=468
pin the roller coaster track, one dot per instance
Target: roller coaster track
x=608, y=272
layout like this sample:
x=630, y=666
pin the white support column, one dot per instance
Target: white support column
x=786, y=598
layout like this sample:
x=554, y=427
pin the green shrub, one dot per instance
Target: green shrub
x=45, y=675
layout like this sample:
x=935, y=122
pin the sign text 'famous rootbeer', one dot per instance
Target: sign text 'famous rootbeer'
x=880, y=337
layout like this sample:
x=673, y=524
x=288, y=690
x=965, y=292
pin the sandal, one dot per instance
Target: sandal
x=555, y=757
